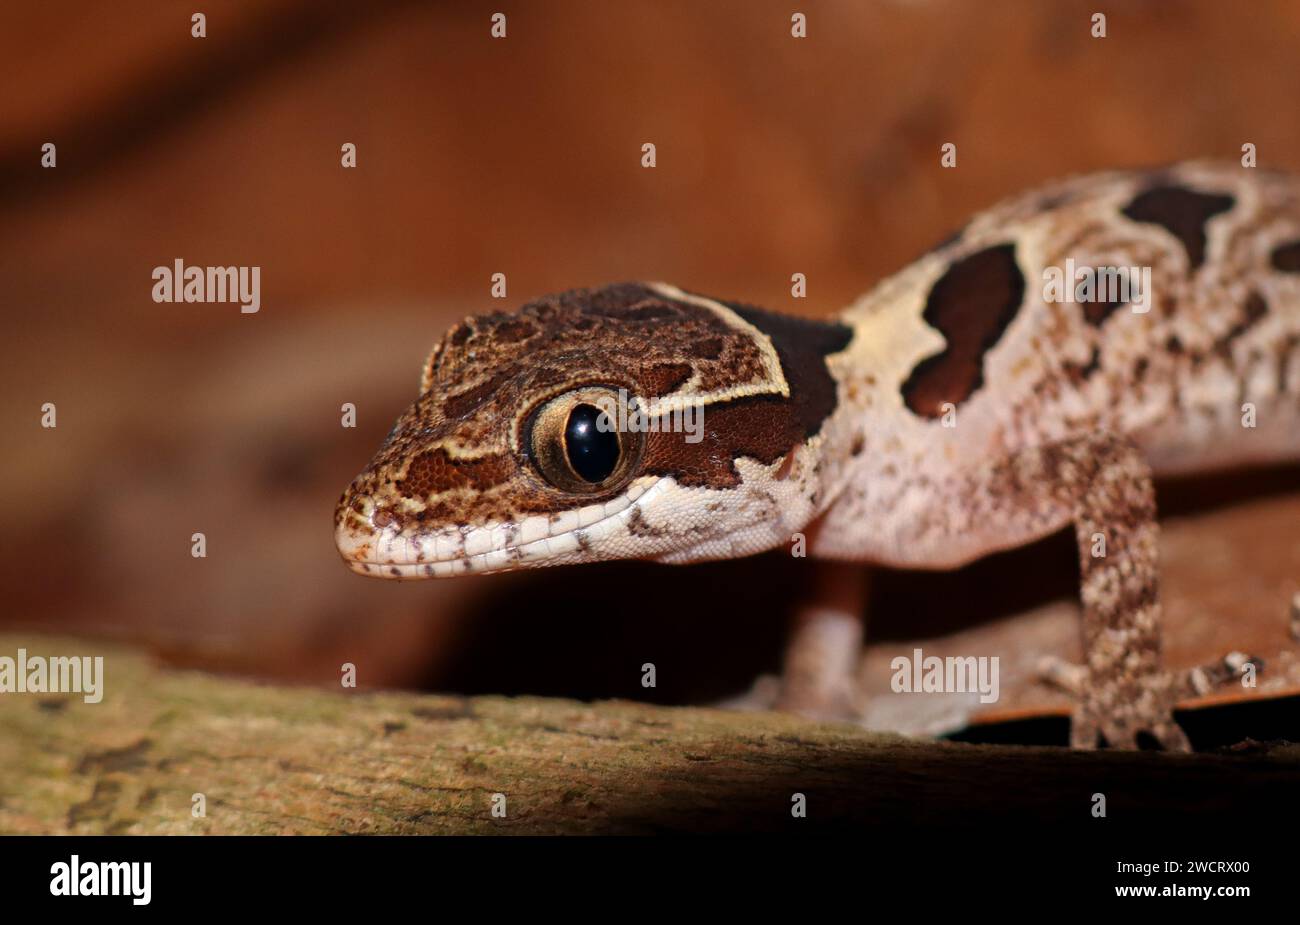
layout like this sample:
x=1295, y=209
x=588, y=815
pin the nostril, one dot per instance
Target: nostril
x=361, y=507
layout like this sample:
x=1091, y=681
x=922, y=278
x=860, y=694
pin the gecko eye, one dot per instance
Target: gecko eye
x=575, y=443
x=593, y=450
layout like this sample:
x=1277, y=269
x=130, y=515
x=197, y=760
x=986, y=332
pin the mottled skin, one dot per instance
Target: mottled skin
x=951, y=412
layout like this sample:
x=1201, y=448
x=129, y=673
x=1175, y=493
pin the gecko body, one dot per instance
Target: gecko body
x=961, y=407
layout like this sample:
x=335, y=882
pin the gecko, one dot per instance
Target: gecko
x=961, y=407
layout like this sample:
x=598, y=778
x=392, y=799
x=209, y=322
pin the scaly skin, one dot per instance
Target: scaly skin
x=955, y=410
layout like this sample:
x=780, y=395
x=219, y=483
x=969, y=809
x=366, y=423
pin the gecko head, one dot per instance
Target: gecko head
x=631, y=421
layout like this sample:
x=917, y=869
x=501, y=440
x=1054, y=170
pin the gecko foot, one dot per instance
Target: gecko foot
x=761, y=696
x=1117, y=714
x=771, y=692
x=1118, y=709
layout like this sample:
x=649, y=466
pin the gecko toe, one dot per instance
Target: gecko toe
x=1066, y=676
x=1123, y=737
x=1085, y=734
x=1204, y=679
x=1172, y=738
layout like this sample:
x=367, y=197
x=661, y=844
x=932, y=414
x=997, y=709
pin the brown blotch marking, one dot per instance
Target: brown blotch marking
x=1094, y=363
x=761, y=427
x=1182, y=212
x=1284, y=360
x=666, y=378
x=465, y=403
x=971, y=305
x=637, y=525
x=1080, y=374
x=1255, y=310
x=435, y=471
x=708, y=349
x=460, y=334
x=1287, y=258
x=802, y=346
x=515, y=330
x=1096, y=313
x=758, y=427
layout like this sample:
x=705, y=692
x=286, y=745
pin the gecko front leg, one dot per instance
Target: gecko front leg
x=821, y=666
x=1101, y=484
x=1123, y=690
x=821, y=663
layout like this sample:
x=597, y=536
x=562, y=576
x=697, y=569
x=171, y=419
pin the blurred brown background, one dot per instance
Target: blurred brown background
x=478, y=156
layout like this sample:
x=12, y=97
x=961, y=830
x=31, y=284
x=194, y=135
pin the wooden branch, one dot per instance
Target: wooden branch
x=300, y=760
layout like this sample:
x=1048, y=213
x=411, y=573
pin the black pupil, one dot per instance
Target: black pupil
x=592, y=452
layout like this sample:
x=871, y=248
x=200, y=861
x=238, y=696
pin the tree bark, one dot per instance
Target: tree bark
x=302, y=760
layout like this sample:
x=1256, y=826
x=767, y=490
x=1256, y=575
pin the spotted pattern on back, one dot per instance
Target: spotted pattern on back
x=1182, y=212
x=971, y=305
x=1287, y=258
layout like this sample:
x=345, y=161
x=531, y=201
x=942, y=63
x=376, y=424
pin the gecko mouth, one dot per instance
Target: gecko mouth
x=571, y=536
